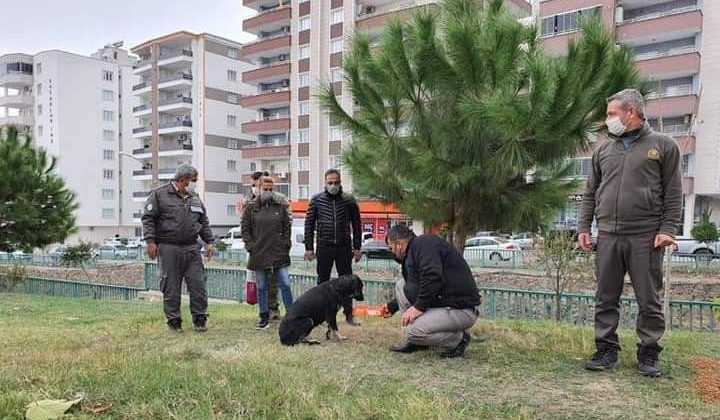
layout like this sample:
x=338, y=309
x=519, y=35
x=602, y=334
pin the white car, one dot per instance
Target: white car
x=524, y=240
x=492, y=247
x=687, y=246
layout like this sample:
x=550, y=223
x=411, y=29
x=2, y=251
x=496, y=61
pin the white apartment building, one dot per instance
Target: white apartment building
x=76, y=106
x=189, y=110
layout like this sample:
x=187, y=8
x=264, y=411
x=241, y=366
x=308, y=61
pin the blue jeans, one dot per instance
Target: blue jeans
x=283, y=279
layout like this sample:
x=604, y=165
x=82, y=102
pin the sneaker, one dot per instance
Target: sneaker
x=648, y=361
x=603, y=359
x=459, y=350
x=275, y=315
x=175, y=325
x=407, y=347
x=351, y=320
x=263, y=322
x=199, y=324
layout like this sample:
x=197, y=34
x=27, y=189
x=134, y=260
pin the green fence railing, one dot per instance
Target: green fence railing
x=75, y=289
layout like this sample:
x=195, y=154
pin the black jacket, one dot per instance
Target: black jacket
x=266, y=232
x=436, y=276
x=171, y=218
x=332, y=216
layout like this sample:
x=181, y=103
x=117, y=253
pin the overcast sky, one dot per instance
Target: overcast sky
x=83, y=26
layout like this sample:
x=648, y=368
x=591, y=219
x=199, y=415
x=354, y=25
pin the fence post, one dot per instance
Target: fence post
x=667, y=281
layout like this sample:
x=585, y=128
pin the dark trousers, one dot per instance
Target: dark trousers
x=636, y=255
x=177, y=263
x=341, y=256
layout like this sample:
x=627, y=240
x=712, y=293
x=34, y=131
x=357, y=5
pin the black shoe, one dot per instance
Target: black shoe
x=264, y=322
x=407, y=347
x=275, y=315
x=351, y=320
x=175, y=325
x=459, y=350
x=603, y=359
x=199, y=324
x=648, y=360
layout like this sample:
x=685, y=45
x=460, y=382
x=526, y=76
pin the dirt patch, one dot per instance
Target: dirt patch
x=122, y=274
x=706, y=379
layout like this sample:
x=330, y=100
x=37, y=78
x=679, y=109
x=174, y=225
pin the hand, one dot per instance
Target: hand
x=585, y=242
x=209, y=251
x=357, y=255
x=309, y=255
x=385, y=312
x=662, y=240
x=152, y=250
x=410, y=316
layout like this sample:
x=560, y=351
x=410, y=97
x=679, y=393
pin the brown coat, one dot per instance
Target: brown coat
x=266, y=231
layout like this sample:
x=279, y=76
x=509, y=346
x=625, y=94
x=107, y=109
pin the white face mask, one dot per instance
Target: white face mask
x=191, y=186
x=615, y=126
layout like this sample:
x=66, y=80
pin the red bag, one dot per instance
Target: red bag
x=250, y=292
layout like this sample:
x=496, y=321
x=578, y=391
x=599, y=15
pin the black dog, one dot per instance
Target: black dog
x=321, y=303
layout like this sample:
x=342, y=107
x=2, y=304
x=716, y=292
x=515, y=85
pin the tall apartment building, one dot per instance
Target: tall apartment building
x=299, y=47
x=189, y=111
x=677, y=45
x=77, y=108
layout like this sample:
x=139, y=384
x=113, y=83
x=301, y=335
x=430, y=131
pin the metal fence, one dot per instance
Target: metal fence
x=75, y=289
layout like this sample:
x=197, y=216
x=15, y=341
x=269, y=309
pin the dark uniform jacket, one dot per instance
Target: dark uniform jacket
x=170, y=218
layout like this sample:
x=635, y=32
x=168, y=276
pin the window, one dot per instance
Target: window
x=335, y=162
x=232, y=76
x=303, y=164
x=232, y=188
x=253, y=167
x=108, y=95
x=304, y=108
x=107, y=75
x=232, y=98
x=336, y=134
x=304, y=23
x=108, y=135
x=566, y=22
x=108, y=174
x=581, y=167
x=233, y=144
x=38, y=68
x=304, y=192
x=304, y=136
x=304, y=52
x=233, y=53
x=38, y=89
x=232, y=166
x=336, y=75
x=337, y=16
x=108, y=194
x=304, y=80
x=108, y=213
x=230, y=211
x=336, y=46
x=39, y=110
x=231, y=120
x=108, y=154
x=108, y=116
x=40, y=130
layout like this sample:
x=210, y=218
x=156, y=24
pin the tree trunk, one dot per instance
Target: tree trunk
x=558, y=294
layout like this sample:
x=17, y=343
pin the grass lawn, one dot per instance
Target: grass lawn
x=121, y=353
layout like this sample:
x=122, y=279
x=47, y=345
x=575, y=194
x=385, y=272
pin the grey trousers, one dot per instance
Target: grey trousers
x=177, y=263
x=436, y=327
x=636, y=255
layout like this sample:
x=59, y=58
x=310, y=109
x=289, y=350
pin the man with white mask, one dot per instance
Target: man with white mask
x=173, y=218
x=634, y=192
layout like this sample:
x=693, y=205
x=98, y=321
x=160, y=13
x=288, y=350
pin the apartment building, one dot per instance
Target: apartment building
x=300, y=46
x=75, y=107
x=190, y=93
x=673, y=41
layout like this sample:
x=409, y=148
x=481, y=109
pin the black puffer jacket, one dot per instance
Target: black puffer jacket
x=332, y=217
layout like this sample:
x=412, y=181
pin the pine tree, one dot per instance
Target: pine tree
x=460, y=118
x=36, y=208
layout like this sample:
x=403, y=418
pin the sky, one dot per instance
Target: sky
x=83, y=26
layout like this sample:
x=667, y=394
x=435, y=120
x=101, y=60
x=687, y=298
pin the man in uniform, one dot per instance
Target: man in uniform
x=172, y=219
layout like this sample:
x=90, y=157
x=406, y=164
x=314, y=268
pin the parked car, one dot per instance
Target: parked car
x=524, y=240
x=233, y=239
x=376, y=250
x=687, y=246
x=58, y=251
x=135, y=243
x=117, y=252
x=491, y=247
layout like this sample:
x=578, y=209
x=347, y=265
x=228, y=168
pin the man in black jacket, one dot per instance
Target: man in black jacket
x=437, y=296
x=333, y=214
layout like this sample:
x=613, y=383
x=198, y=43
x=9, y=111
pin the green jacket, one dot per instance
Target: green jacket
x=266, y=231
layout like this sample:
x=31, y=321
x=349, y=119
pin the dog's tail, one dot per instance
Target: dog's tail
x=293, y=332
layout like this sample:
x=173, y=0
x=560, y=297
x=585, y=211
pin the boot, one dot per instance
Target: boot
x=605, y=358
x=199, y=324
x=459, y=350
x=407, y=347
x=175, y=325
x=648, y=361
x=263, y=322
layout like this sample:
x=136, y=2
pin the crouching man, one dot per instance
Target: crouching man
x=437, y=296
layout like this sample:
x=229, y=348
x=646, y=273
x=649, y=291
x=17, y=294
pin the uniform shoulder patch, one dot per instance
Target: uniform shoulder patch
x=149, y=207
x=653, y=154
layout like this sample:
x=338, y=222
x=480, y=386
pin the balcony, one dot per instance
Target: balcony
x=166, y=150
x=141, y=88
x=260, y=5
x=273, y=98
x=279, y=178
x=269, y=20
x=176, y=82
x=177, y=126
x=21, y=101
x=272, y=73
x=266, y=151
x=141, y=132
x=678, y=62
x=268, y=47
x=374, y=16
x=16, y=80
x=672, y=106
x=175, y=58
x=146, y=174
x=140, y=196
x=140, y=110
x=19, y=120
x=680, y=23
x=180, y=103
x=267, y=126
